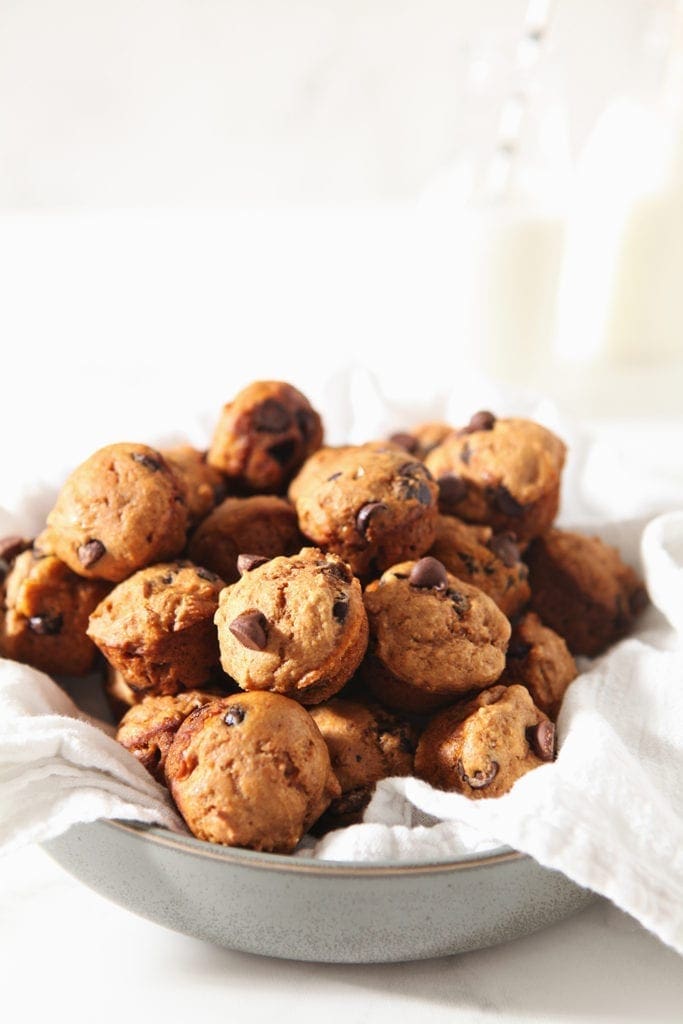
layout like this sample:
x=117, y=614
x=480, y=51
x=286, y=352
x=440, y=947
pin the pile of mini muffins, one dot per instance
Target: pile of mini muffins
x=281, y=624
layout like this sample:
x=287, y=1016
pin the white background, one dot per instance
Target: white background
x=195, y=194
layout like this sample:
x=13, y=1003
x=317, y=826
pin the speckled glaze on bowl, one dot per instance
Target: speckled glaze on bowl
x=304, y=909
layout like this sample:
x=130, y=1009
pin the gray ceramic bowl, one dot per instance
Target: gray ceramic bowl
x=305, y=909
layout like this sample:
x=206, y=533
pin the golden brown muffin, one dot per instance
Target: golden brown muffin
x=147, y=729
x=366, y=744
x=261, y=525
x=482, y=747
x=539, y=659
x=157, y=628
x=251, y=770
x=433, y=637
x=420, y=440
x=488, y=560
x=372, y=506
x=204, y=486
x=44, y=617
x=264, y=435
x=121, y=509
x=582, y=589
x=293, y=625
x=501, y=472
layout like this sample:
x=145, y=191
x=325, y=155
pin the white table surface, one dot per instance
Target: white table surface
x=68, y=954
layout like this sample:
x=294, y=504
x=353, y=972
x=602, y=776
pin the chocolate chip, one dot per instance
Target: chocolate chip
x=417, y=469
x=271, y=417
x=518, y=649
x=428, y=574
x=504, y=545
x=46, y=625
x=452, y=489
x=147, y=461
x=407, y=441
x=508, y=505
x=469, y=561
x=338, y=571
x=414, y=489
x=480, y=778
x=167, y=578
x=282, y=452
x=307, y=422
x=340, y=609
x=250, y=628
x=335, y=476
x=245, y=563
x=483, y=420
x=541, y=739
x=461, y=603
x=12, y=546
x=90, y=552
x=366, y=513
x=205, y=574
x=465, y=454
x=235, y=715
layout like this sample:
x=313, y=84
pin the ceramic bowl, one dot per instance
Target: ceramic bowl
x=305, y=909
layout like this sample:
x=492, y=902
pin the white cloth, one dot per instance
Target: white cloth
x=608, y=812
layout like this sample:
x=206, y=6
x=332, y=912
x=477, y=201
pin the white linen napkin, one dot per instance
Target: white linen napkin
x=608, y=812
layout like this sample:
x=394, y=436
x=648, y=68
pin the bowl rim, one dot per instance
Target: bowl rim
x=286, y=863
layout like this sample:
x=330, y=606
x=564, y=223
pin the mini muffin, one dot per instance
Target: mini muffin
x=433, y=637
x=539, y=659
x=371, y=506
x=204, y=486
x=157, y=628
x=261, y=525
x=251, y=770
x=296, y=626
x=501, y=472
x=482, y=747
x=366, y=744
x=121, y=509
x=45, y=613
x=420, y=440
x=488, y=560
x=10, y=548
x=264, y=435
x=582, y=589
x=148, y=728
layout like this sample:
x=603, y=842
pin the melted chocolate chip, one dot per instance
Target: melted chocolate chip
x=480, y=779
x=271, y=417
x=335, y=476
x=366, y=513
x=541, y=739
x=205, y=574
x=338, y=571
x=245, y=563
x=250, y=628
x=414, y=489
x=46, y=625
x=465, y=454
x=235, y=715
x=90, y=552
x=468, y=560
x=452, y=489
x=407, y=441
x=508, y=505
x=461, y=603
x=340, y=608
x=417, y=469
x=483, y=420
x=428, y=574
x=283, y=453
x=167, y=578
x=504, y=546
x=147, y=461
